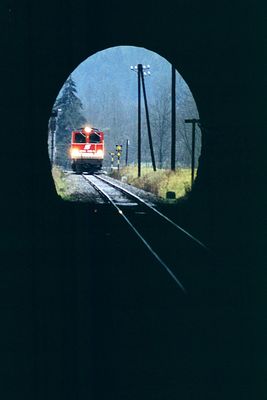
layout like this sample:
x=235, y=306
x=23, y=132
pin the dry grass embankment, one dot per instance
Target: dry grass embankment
x=158, y=182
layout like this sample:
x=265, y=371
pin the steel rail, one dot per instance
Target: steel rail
x=153, y=252
x=123, y=190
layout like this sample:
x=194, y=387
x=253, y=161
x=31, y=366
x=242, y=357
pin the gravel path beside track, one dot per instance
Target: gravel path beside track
x=76, y=189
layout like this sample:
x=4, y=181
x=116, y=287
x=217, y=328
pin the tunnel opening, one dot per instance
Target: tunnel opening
x=103, y=92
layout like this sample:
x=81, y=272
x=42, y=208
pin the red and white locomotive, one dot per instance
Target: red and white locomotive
x=86, y=150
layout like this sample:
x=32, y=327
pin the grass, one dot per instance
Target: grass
x=61, y=184
x=158, y=182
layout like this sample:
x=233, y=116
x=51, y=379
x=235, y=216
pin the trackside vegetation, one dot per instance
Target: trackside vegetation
x=68, y=185
x=62, y=186
x=158, y=182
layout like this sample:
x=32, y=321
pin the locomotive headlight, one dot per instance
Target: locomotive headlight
x=74, y=153
x=100, y=153
x=87, y=129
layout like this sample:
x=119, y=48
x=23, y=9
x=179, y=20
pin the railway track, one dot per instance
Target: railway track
x=148, y=223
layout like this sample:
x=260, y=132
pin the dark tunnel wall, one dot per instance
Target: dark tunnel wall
x=216, y=49
x=213, y=51
x=220, y=50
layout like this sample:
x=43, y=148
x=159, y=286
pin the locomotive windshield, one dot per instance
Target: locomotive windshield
x=79, y=138
x=94, y=138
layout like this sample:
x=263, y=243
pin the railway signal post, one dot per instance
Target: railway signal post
x=193, y=122
x=119, y=151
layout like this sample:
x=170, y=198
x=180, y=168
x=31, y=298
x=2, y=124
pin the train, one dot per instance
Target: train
x=87, y=150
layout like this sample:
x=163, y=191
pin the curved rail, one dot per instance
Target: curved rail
x=137, y=198
x=121, y=213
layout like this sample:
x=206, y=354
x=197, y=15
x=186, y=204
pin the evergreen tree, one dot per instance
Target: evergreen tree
x=69, y=117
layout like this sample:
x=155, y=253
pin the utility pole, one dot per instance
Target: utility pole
x=140, y=73
x=139, y=121
x=126, y=151
x=173, y=138
x=193, y=122
x=53, y=124
x=148, y=122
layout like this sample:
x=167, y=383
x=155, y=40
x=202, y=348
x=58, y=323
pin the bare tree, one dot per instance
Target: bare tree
x=161, y=124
